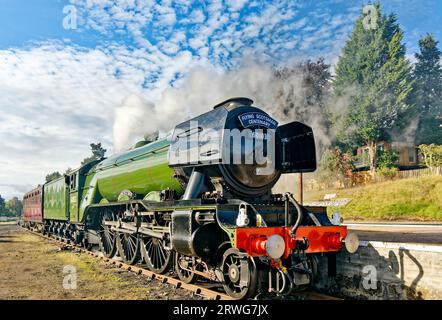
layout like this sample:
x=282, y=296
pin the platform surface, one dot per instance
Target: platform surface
x=405, y=232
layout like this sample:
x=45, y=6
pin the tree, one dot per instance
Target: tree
x=373, y=85
x=98, y=153
x=386, y=164
x=432, y=155
x=315, y=83
x=14, y=206
x=52, y=176
x=336, y=165
x=303, y=96
x=427, y=74
x=2, y=205
x=387, y=159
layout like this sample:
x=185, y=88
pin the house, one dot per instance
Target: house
x=408, y=154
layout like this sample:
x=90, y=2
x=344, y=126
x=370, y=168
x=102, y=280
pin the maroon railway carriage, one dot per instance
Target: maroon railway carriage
x=33, y=208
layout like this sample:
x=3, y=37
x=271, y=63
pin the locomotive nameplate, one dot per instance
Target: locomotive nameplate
x=254, y=119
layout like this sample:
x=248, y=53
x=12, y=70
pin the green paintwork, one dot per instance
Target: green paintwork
x=79, y=194
x=140, y=171
x=73, y=206
x=56, y=200
x=90, y=194
x=124, y=196
x=231, y=233
x=74, y=195
x=153, y=196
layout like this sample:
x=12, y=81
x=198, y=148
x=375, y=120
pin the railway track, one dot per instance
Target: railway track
x=198, y=290
x=204, y=290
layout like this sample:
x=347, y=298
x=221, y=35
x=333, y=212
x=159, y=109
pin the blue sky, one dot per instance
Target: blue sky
x=122, y=69
x=24, y=22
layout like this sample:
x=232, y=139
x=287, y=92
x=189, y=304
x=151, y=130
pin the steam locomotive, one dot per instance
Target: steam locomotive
x=198, y=203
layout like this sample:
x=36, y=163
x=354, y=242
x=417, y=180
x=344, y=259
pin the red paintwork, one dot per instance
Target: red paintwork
x=33, y=206
x=320, y=239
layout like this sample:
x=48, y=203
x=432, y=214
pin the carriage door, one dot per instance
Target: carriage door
x=73, y=196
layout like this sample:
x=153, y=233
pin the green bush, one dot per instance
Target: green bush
x=336, y=165
x=432, y=154
x=387, y=159
x=386, y=172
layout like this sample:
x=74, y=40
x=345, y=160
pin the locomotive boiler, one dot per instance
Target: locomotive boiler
x=198, y=203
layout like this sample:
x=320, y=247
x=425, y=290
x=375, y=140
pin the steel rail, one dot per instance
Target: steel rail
x=195, y=289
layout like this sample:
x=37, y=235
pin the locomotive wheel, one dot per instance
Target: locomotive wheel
x=129, y=247
x=61, y=231
x=185, y=276
x=77, y=237
x=240, y=275
x=57, y=230
x=107, y=237
x=156, y=256
x=49, y=228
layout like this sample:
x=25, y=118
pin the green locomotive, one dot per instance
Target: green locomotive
x=185, y=204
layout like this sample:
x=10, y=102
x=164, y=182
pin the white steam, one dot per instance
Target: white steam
x=131, y=120
x=283, y=98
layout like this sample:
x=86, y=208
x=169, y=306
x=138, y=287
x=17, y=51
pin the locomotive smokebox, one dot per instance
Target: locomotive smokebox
x=239, y=148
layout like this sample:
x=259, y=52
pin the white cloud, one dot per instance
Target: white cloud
x=220, y=29
x=56, y=98
x=197, y=16
x=54, y=101
x=235, y=5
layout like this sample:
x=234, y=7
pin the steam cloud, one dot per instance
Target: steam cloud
x=282, y=97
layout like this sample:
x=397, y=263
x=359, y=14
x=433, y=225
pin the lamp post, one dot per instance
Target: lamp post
x=300, y=191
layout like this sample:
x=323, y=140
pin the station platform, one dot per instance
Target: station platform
x=404, y=232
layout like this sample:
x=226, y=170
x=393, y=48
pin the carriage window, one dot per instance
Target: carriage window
x=73, y=182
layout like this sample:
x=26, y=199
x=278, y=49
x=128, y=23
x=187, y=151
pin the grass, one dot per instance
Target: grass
x=408, y=199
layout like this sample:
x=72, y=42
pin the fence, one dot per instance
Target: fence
x=407, y=174
x=312, y=183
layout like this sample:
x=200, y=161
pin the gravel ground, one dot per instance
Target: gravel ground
x=32, y=268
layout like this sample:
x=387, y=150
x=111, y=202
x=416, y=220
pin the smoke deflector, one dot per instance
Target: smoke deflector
x=296, y=148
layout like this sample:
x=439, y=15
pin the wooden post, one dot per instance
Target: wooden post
x=300, y=187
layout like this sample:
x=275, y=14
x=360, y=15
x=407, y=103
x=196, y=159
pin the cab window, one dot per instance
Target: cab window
x=73, y=182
